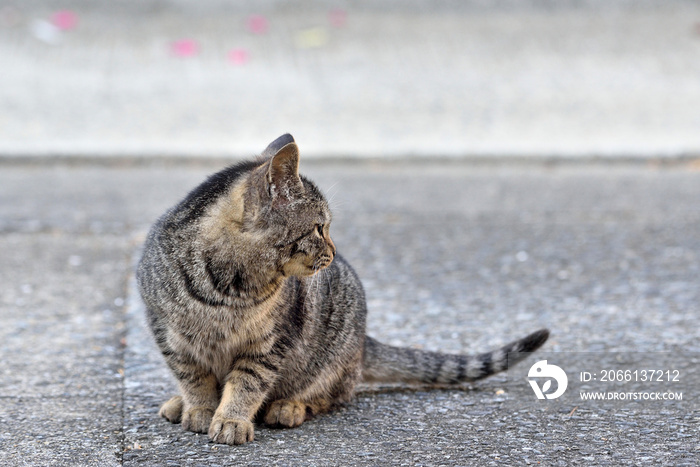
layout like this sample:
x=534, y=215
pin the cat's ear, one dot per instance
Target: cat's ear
x=275, y=146
x=282, y=174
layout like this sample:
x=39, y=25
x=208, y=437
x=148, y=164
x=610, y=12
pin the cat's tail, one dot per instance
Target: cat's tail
x=385, y=363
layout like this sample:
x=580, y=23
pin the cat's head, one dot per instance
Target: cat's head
x=293, y=215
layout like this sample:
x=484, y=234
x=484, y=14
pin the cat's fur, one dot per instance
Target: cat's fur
x=255, y=313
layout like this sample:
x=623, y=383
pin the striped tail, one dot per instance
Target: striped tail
x=384, y=363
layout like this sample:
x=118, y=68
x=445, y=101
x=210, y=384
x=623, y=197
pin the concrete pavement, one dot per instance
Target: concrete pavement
x=453, y=256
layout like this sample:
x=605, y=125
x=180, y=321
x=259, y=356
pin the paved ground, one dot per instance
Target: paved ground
x=368, y=78
x=454, y=256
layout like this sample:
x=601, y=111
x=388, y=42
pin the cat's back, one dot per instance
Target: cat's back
x=197, y=202
x=174, y=235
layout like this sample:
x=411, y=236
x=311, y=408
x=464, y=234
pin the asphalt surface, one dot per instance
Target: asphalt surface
x=369, y=78
x=453, y=256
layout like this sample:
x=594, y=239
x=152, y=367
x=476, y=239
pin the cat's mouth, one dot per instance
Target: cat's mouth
x=307, y=268
x=322, y=262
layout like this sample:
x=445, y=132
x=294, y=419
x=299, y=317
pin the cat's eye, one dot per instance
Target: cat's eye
x=319, y=229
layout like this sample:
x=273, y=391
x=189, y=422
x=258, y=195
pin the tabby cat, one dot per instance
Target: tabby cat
x=230, y=278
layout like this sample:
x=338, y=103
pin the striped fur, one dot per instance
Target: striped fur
x=384, y=363
x=257, y=316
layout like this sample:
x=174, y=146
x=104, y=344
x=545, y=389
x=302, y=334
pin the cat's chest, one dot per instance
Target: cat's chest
x=215, y=343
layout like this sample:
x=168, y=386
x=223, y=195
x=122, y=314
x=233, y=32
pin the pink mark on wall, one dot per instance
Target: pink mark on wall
x=185, y=48
x=338, y=17
x=238, y=56
x=64, y=20
x=257, y=24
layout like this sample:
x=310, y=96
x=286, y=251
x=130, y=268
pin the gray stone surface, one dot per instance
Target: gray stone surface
x=570, y=78
x=61, y=363
x=453, y=256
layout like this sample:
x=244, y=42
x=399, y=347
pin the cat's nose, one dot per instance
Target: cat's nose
x=332, y=246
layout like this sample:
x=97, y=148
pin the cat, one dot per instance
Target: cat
x=258, y=316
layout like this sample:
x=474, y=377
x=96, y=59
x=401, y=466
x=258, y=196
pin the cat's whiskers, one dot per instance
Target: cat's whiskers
x=330, y=290
x=318, y=284
x=330, y=196
x=330, y=199
x=313, y=285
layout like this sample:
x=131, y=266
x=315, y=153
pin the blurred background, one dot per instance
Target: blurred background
x=382, y=78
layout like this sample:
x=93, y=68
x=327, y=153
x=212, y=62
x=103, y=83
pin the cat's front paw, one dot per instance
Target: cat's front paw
x=172, y=410
x=197, y=419
x=231, y=431
x=286, y=413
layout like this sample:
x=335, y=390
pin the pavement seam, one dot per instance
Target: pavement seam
x=127, y=311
